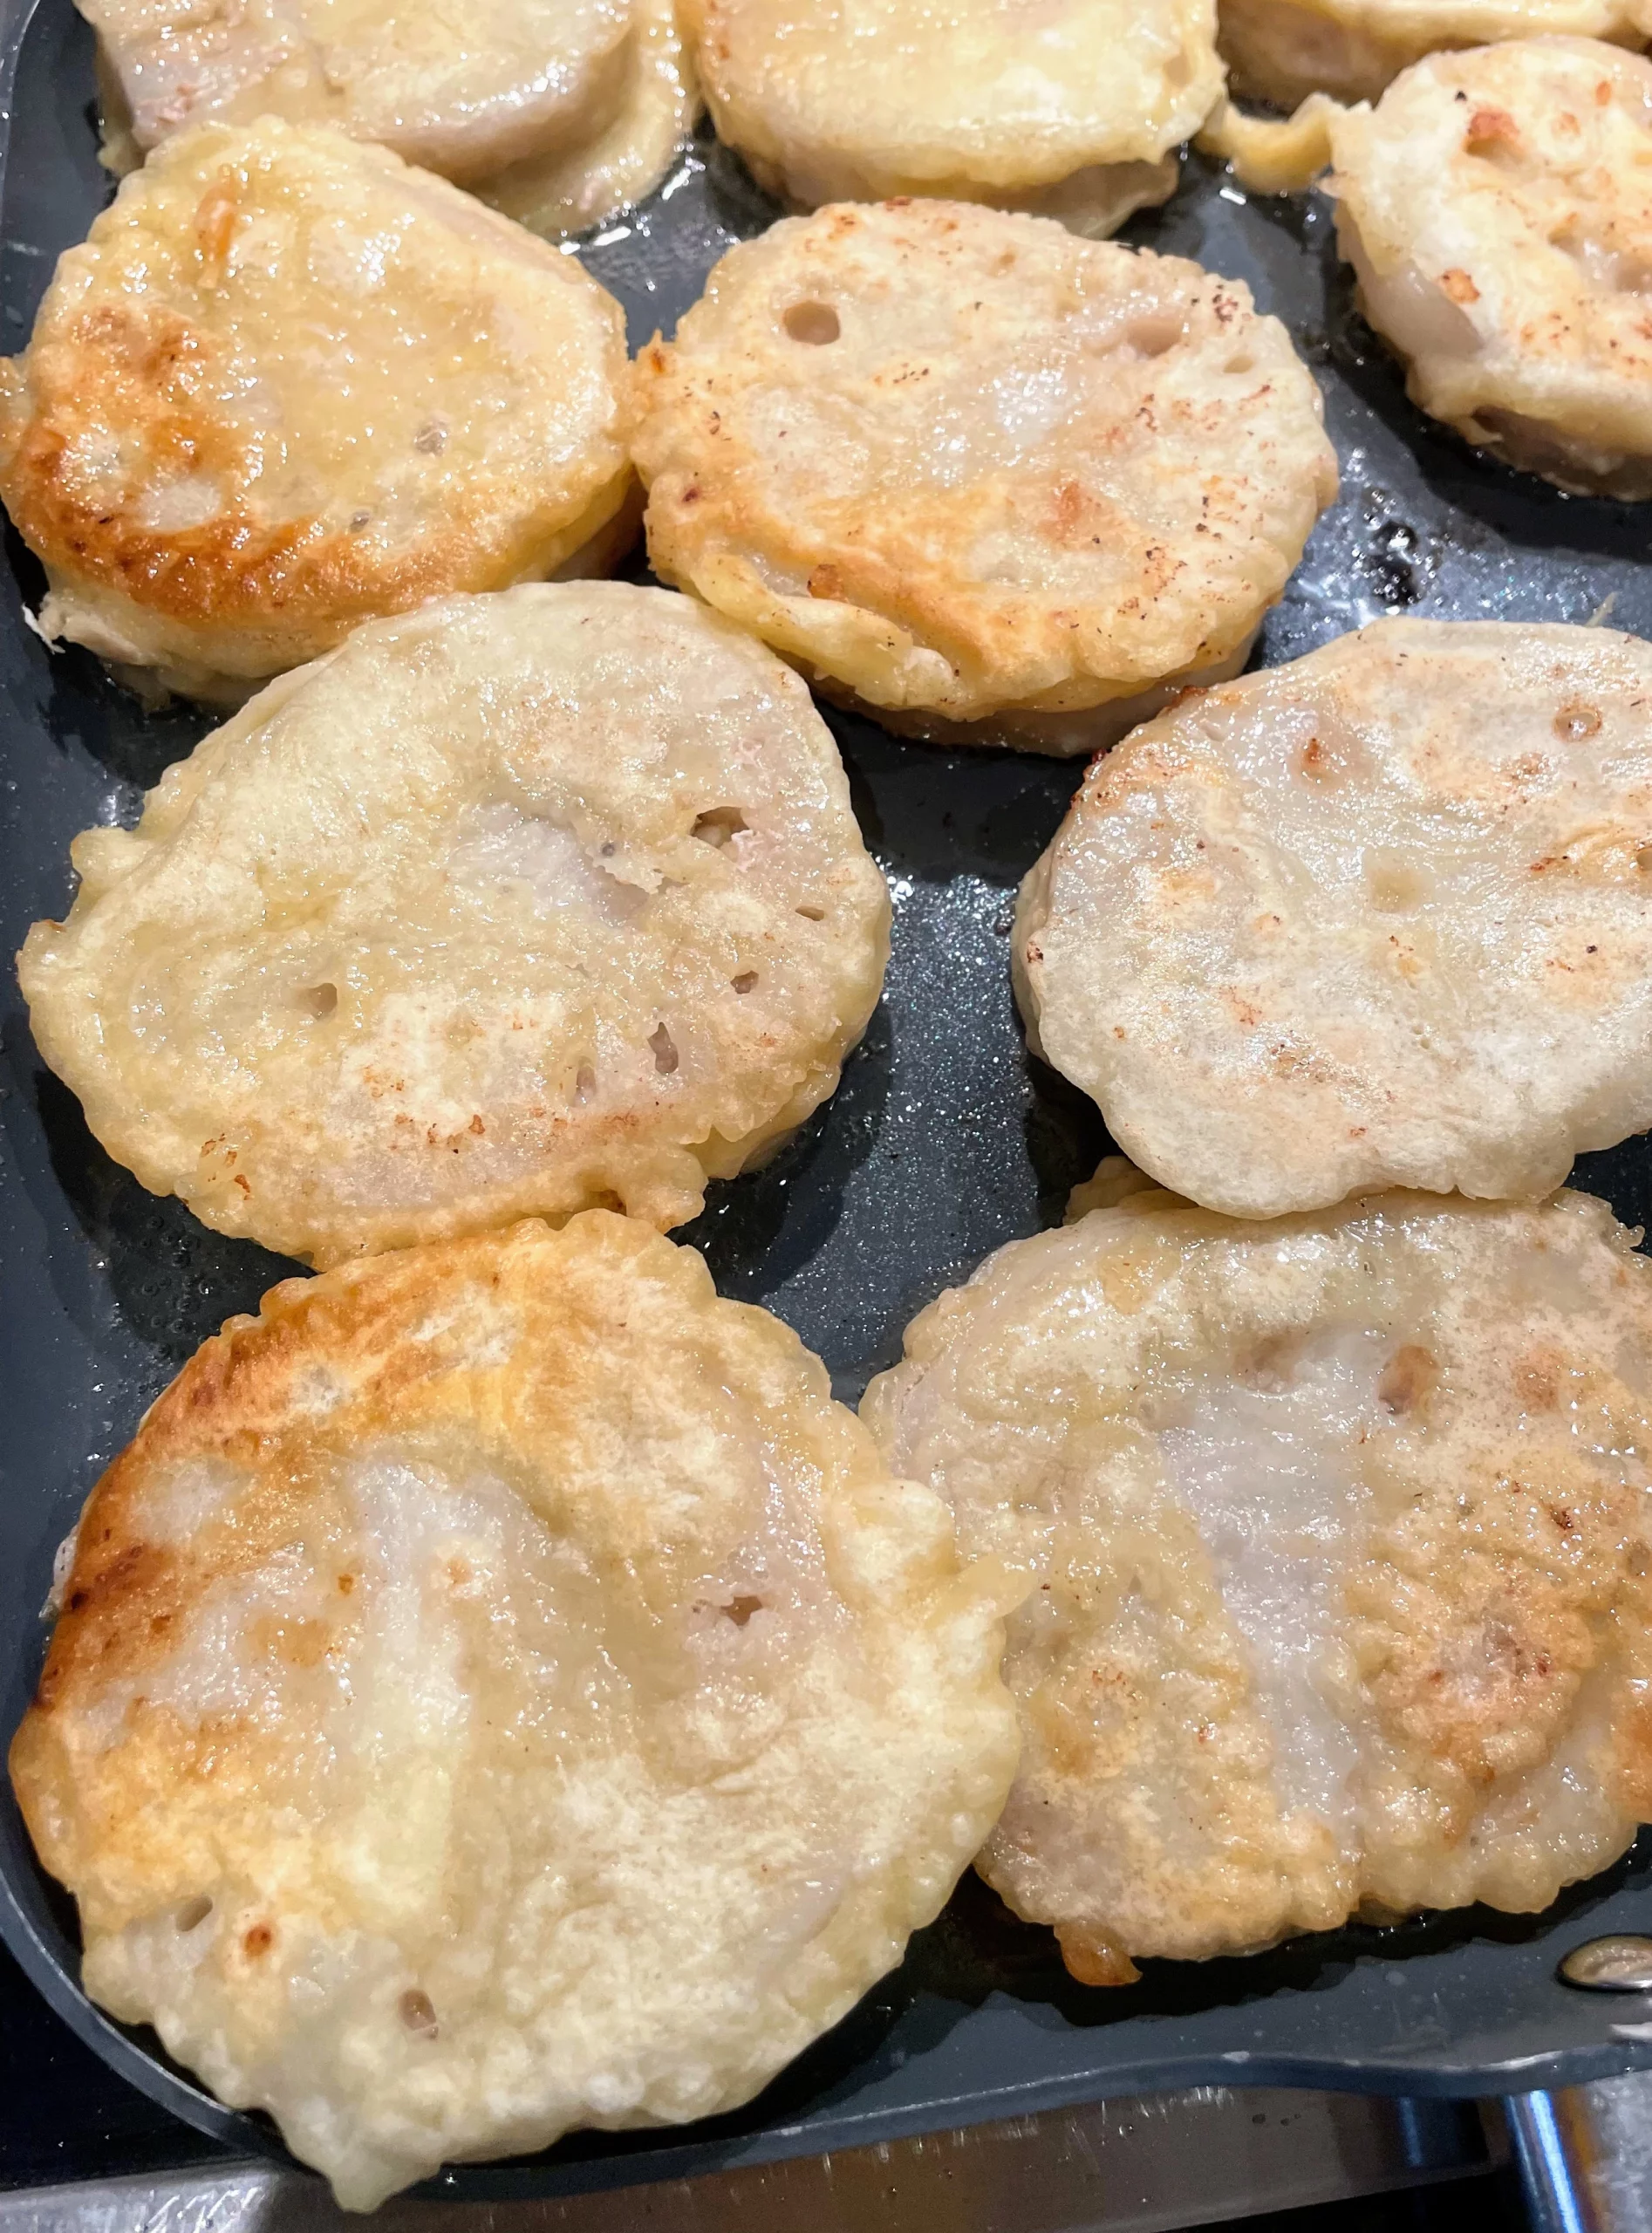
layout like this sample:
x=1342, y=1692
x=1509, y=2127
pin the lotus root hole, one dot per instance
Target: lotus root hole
x=418, y=2014
x=665, y=1055
x=815, y=322
x=192, y=1913
x=1574, y=722
x=1151, y=337
x=1407, y=1379
x=320, y=1000
x=717, y=824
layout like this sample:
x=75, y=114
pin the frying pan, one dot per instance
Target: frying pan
x=945, y=1141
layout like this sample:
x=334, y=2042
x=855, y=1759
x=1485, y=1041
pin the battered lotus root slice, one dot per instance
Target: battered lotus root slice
x=1284, y=50
x=1497, y=208
x=624, y=158
x=1377, y=918
x=1337, y=1529
x=520, y=904
x=499, y=1690
x=288, y=384
x=1074, y=109
x=995, y=483
x=463, y=92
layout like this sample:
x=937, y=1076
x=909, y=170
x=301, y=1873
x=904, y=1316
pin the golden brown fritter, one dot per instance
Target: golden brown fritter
x=1337, y=1529
x=288, y=384
x=998, y=483
x=1074, y=108
x=462, y=89
x=1283, y=50
x=499, y=1690
x=1497, y=208
x=1375, y=918
x=518, y=905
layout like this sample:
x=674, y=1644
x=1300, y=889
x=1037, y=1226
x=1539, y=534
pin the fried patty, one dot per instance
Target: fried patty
x=1497, y=208
x=1075, y=108
x=995, y=482
x=499, y=1690
x=288, y=384
x=1336, y=1529
x=518, y=905
x=1375, y=918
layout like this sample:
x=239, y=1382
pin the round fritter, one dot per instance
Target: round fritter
x=463, y=91
x=519, y=904
x=1338, y=1529
x=500, y=1691
x=623, y=159
x=289, y=383
x=1073, y=107
x=1381, y=916
x=1282, y=50
x=976, y=471
x=1497, y=209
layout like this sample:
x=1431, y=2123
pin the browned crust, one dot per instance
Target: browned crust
x=236, y=568
x=368, y=1325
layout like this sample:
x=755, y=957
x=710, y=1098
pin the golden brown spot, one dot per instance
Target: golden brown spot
x=1407, y=1379
x=826, y=581
x=1537, y=1379
x=1456, y=284
x=258, y=1940
x=301, y=1643
x=347, y=1583
x=1491, y=127
x=214, y=227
